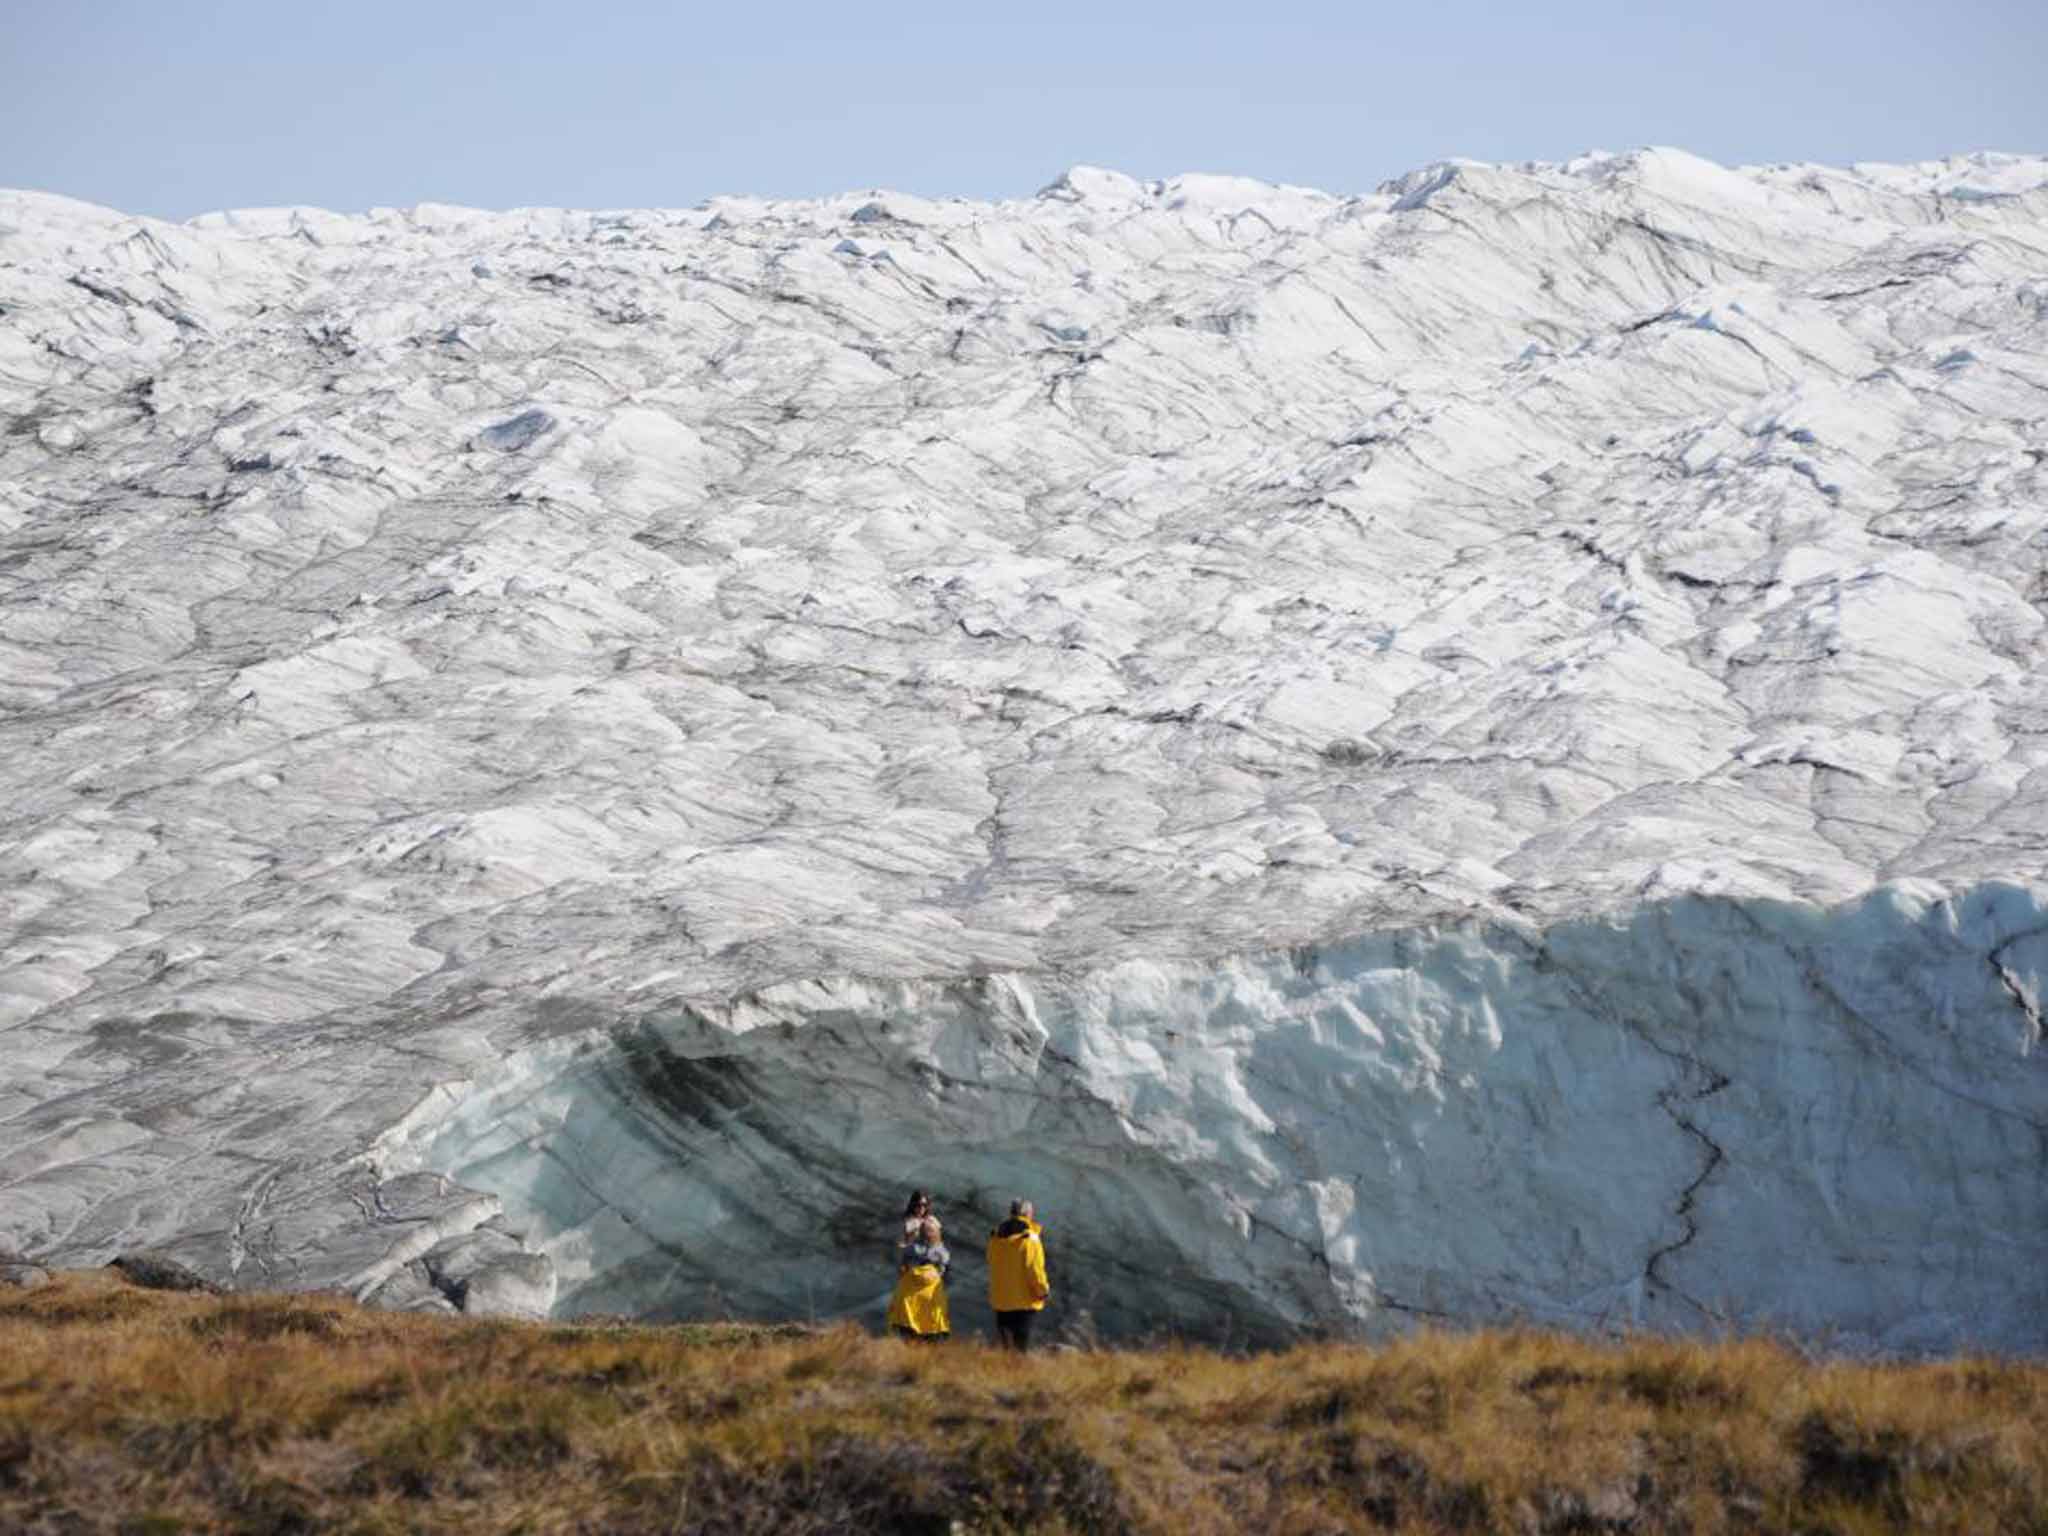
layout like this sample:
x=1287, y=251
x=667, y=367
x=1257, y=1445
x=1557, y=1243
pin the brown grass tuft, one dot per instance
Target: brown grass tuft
x=128, y=1411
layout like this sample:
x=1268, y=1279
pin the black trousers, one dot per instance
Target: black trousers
x=1013, y=1329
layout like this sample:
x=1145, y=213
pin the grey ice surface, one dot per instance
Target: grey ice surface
x=1475, y=750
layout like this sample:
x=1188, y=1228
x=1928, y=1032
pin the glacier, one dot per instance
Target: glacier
x=1478, y=751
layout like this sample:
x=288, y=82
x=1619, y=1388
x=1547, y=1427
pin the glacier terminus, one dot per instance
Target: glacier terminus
x=1468, y=753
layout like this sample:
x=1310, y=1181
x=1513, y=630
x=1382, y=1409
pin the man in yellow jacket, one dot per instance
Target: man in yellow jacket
x=1017, y=1287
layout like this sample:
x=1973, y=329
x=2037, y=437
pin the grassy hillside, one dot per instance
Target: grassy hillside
x=134, y=1412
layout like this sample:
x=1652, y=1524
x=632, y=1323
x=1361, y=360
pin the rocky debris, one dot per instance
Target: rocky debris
x=160, y=1272
x=409, y=1289
x=1612, y=1506
x=499, y=1279
x=480, y=1269
x=409, y=1216
x=490, y=1273
x=451, y=1262
x=17, y=1273
x=516, y=1285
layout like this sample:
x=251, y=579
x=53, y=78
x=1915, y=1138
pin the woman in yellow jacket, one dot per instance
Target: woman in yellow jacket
x=918, y=1310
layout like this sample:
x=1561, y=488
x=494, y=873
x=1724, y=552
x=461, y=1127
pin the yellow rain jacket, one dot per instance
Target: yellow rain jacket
x=920, y=1301
x=1016, y=1267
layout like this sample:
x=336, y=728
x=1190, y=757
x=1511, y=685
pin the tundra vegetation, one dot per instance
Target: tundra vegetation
x=139, y=1412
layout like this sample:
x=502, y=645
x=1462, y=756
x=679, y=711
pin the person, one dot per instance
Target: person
x=918, y=1309
x=914, y=1213
x=1017, y=1287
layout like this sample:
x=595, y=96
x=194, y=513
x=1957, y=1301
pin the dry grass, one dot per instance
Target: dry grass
x=133, y=1412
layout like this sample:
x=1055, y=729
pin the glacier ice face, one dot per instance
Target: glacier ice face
x=1713, y=1110
x=1476, y=749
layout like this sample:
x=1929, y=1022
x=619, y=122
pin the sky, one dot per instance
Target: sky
x=176, y=107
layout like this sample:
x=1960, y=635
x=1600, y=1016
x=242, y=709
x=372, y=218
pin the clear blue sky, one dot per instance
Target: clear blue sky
x=172, y=107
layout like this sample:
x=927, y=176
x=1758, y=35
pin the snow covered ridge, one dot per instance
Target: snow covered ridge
x=1473, y=749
